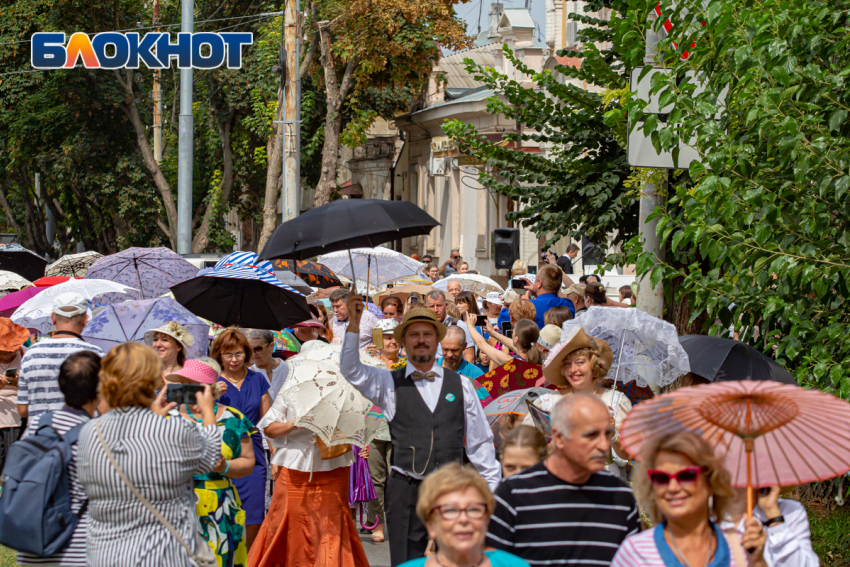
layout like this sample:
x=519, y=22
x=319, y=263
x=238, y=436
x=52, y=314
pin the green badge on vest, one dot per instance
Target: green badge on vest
x=450, y=397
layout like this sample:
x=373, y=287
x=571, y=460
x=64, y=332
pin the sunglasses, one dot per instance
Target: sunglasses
x=259, y=349
x=687, y=475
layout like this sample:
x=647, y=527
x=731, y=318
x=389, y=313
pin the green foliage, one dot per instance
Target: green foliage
x=765, y=215
x=577, y=188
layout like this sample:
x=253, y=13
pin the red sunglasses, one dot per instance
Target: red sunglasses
x=687, y=475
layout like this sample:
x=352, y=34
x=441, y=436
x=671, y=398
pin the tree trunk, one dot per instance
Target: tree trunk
x=10, y=220
x=678, y=310
x=131, y=110
x=202, y=236
x=274, y=151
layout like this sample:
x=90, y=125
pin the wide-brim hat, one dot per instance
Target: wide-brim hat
x=549, y=336
x=12, y=335
x=419, y=315
x=197, y=371
x=309, y=324
x=174, y=330
x=572, y=340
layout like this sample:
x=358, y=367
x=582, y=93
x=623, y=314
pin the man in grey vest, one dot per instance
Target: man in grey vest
x=430, y=410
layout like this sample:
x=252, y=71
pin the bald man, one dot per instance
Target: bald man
x=453, y=346
x=454, y=288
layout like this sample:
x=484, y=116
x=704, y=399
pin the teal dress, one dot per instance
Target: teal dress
x=498, y=558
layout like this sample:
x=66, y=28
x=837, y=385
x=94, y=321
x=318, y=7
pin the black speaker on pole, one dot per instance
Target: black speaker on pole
x=506, y=247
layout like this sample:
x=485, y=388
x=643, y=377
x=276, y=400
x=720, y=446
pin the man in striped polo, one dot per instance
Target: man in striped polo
x=38, y=385
x=567, y=510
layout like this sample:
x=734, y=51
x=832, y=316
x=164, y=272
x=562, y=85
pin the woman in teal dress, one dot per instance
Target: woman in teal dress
x=221, y=519
x=455, y=501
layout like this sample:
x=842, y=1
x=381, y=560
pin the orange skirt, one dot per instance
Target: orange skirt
x=309, y=523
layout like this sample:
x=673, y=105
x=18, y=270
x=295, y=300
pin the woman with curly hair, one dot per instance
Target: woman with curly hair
x=681, y=485
x=579, y=363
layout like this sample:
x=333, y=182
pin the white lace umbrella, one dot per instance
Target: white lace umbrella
x=646, y=349
x=375, y=265
x=10, y=281
x=470, y=282
x=323, y=402
x=35, y=312
x=73, y=265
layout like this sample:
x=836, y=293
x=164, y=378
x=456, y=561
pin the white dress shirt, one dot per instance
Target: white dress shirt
x=789, y=544
x=298, y=451
x=376, y=384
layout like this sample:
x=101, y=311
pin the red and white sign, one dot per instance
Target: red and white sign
x=668, y=25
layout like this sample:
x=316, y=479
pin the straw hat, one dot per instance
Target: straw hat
x=577, y=289
x=419, y=315
x=549, y=336
x=196, y=371
x=174, y=330
x=573, y=339
x=12, y=335
x=509, y=297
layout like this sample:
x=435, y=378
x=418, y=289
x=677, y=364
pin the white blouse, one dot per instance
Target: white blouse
x=298, y=450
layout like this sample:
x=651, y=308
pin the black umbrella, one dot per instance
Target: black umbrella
x=243, y=297
x=26, y=263
x=346, y=224
x=717, y=359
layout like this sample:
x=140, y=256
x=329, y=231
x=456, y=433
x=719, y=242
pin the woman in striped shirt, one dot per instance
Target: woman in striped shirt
x=681, y=485
x=160, y=456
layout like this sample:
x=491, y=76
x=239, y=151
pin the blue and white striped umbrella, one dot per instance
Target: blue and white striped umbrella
x=246, y=273
x=248, y=259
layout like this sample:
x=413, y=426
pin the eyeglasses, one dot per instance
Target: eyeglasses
x=451, y=513
x=258, y=349
x=688, y=475
x=230, y=355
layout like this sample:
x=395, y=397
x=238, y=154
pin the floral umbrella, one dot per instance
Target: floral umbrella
x=73, y=265
x=376, y=266
x=152, y=271
x=314, y=274
x=285, y=341
x=121, y=322
x=470, y=282
x=516, y=374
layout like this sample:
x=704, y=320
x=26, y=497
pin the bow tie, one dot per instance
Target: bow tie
x=417, y=376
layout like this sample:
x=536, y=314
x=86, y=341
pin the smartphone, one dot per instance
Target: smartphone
x=414, y=299
x=764, y=491
x=480, y=320
x=507, y=328
x=183, y=393
x=517, y=283
x=11, y=373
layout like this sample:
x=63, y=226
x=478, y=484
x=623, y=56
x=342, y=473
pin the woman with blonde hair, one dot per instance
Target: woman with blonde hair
x=681, y=485
x=524, y=446
x=158, y=457
x=455, y=504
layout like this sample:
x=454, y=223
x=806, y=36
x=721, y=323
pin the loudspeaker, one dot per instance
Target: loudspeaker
x=506, y=247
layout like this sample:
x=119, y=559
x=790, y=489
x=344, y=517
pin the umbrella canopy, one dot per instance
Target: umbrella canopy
x=717, y=359
x=15, y=258
x=73, y=265
x=293, y=281
x=242, y=296
x=50, y=281
x=318, y=351
x=770, y=434
x=128, y=321
x=470, y=282
x=646, y=349
x=152, y=271
x=515, y=402
x=286, y=341
x=11, y=301
x=35, y=312
x=402, y=292
x=375, y=265
x=516, y=374
x=10, y=281
x=345, y=224
x=312, y=273
x=322, y=401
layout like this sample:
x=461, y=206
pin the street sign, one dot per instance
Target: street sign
x=468, y=160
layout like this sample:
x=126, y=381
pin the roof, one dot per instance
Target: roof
x=474, y=95
x=518, y=18
x=569, y=61
x=484, y=39
x=455, y=69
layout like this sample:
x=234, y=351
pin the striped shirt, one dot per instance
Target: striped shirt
x=648, y=549
x=75, y=553
x=548, y=521
x=161, y=457
x=38, y=386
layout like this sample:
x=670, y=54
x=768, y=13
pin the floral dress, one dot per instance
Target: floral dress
x=221, y=519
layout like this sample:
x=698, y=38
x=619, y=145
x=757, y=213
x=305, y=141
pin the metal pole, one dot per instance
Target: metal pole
x=651, y=299
x=184, y=156
x=157, y=98
x=291, y=185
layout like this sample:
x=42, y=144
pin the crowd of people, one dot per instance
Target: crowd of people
x=227, y=478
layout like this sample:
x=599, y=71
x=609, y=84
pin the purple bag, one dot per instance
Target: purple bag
x=360, y=486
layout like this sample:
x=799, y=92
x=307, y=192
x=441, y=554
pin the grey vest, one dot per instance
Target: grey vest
x=424, y=441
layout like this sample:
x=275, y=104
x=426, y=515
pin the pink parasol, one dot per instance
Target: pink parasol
x=771, y=434
x=11, y=301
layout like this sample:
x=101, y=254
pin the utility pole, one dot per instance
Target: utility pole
x=184, y=155
x=291, y=178
x=651, y=299
x=157, y=98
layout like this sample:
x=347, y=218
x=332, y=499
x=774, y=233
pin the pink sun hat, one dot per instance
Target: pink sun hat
x=197, y=371
x=309, y=323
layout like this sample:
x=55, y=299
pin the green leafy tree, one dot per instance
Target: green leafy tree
x=764, y=215
x=578, y=188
